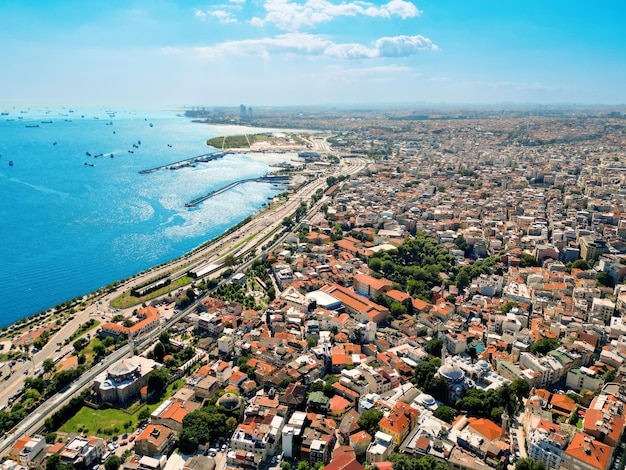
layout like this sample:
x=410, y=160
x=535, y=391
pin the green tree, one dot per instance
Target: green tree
x=158, y=379
x=445, y=413
x=48, y=365
x=521, y=388
x=397, y=309
x=507, y=307
x=369, y=420
x=434, y=346
x=581, y=264
x=544, y=345
x=159, y=352
x=527, y=260
x=462, y=280
x=375, y=264
x=80, y=344
x=113, y=462
x=604, y=279
x=528, y=463
x=144, y=414
x=54, y=463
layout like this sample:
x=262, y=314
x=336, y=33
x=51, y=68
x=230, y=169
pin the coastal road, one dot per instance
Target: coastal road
x=265, y=222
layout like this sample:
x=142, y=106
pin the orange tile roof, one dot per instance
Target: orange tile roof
x=486, y=428
x=589, y=451
x=339, y=403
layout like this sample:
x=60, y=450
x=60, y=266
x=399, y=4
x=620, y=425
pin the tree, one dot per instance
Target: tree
x=496, y=414
x=159, y=352
x=507, y=307
x=164, y=338
x=527, y=260
x=581, y=264
x=544, y=345
x=472, y=353
x=48, y=365
x=527, y=463
x=80, y=344
x=521, y=388
x=99, y=349
x=113, y=462
x=369, y=420
x=445, y=413
x=144, y=414
x=462, y=280
x=158, y=379
x=604, y=279
x=397, y=309
x=54, y=463
x=434, y=346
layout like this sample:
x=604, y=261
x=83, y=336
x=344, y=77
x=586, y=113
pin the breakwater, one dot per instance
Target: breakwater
x=186, y=163
x=263, y=179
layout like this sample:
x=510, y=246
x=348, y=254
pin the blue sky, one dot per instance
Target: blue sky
x=158, y=53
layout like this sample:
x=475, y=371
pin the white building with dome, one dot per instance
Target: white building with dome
x=122, y=382
x=458, y=383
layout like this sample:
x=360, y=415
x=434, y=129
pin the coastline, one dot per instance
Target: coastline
x=189, y=257
x=94, y=227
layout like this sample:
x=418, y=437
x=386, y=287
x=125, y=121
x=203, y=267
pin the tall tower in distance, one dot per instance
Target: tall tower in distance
x=242, y=111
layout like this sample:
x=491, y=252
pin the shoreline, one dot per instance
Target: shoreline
x=32, y=293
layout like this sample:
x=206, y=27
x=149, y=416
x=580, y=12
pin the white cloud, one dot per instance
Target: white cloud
x=222, y=16
x=291, y=16
x=200, y=14
x=316, y=45
x=256, y=21
x=237, y=1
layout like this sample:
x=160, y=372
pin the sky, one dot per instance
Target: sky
x=160, y=53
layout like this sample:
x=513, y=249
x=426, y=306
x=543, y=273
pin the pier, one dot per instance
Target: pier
x=188, y=162
x=262, y=179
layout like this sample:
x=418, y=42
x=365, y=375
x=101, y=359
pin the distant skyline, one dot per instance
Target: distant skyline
x=159, y=53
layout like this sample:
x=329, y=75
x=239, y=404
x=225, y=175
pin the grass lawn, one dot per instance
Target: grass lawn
x=127, y=300
x=103, y=422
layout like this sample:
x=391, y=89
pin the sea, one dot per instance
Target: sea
x=77, y=215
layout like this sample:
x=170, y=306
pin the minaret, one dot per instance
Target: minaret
x=505, y=423
x=131, y=344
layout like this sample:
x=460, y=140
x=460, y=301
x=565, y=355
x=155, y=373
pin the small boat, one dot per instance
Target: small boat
x=130, y=151
x=135, y=146
x=4, y=114
x=151, y=125
x=10, y=162
x=111, y=155
x=88, y=154
x=89, y=164
x=139, y=142
x=32, y=125
x=54, y=143
x=169, y=145
x=114, y=132
x=46, y=122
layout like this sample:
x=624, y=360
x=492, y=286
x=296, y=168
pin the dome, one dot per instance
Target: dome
x=483, y=364
x=230, y=401
x=123, y=368
x=426, y=399
x=451, y=372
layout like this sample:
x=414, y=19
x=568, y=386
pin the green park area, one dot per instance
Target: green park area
x=109, y=422
x=237, y=141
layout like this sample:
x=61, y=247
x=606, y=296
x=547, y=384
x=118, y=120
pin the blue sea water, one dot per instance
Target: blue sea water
x=67, y=229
